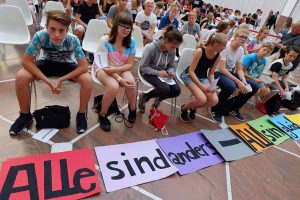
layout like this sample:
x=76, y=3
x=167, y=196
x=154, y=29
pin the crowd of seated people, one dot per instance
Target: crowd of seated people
x=224, y=53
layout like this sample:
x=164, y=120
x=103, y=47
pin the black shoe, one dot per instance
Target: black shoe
x=105, y=124
x=184, y=115
x=236, y=114
x=142, y=102
x=217, y=117
x=192, y=115
x=131, y=115
x=81, y=122
x=23, y=121
x=90, y=58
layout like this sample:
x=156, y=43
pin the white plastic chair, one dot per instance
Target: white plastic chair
x=138, y=37
x=23, y=5
x=184, y=61
x=157, y=34
x=13, y=28
x=95, y=30
x=51, y=5
x=189, y=41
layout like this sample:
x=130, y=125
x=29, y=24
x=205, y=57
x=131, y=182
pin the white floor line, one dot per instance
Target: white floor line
x=286, y=151
x=228, y=181
x=297, y=143
x=91, y=129
x=146, y=193
x=8, y=80
x=25, y=129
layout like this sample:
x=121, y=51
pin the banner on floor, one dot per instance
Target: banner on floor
x=264, y=126
x=190, y=152
x=254, y=139
x=228, y=144
x=69, y=175
x=293, y=130
x=126, y=165
x=294, y=118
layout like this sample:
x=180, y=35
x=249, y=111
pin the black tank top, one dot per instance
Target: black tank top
x=203, y=65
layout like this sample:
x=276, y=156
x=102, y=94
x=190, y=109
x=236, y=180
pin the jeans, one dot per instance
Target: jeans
x=228, y=87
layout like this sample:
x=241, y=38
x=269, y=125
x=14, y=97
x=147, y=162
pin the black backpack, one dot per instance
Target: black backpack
x=273, y=104
x=294, y=103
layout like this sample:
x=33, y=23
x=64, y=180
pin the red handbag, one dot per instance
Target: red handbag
x=158, y=119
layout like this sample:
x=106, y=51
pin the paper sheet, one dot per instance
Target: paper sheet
x=213, y=85
x=100, y=59
x=168, y=81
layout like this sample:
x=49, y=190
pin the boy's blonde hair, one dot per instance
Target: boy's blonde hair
x=149, y=2
x=240, y=30
x=192, y=13
x=267, y=45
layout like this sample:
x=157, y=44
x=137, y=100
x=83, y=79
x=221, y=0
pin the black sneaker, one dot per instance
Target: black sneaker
x=192, y=115
x=105, y=124
x=156, y=103
x=142, y=102
x=184, y=115
x=90, y=58
x=237, y=115
x=81, y=122
x=23, y=121
x=132, y=116
x=216, y=116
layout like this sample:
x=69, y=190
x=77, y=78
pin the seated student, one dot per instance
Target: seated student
x=222, y=27
x=255, y=44
x=86, y=11
x=115, y=10
x=206, y=22
x=159, y=10
x=230, y=79
x=170, y=19
x=158, y=62
x=200, y=73
x=147, y=21
x=280, y=69
x=120, y=48
x=135, y=8
x=104, y=6
x=254, y=64
x=191, y=27
x=59, y=48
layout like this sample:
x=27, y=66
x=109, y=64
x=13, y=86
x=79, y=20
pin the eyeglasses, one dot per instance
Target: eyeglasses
x=124, y=27
x=242, y=37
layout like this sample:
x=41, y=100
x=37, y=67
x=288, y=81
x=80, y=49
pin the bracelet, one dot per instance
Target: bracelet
x=118, y=79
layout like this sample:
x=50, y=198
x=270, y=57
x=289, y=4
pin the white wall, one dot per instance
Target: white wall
x=250, y=6
x=296, y=12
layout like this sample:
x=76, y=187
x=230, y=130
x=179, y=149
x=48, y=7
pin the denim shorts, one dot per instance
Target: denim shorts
x=187, y=79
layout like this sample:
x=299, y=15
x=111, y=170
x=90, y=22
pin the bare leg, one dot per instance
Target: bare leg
x=85, y=81
x=130, y=93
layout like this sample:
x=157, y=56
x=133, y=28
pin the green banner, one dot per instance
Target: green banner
x=268, y=129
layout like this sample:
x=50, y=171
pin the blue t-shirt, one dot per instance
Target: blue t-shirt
x=67, y=52
x=165, y=21
x=254, y=67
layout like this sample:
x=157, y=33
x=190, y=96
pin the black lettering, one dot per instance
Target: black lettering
x=66, y=189
x=121, y=173
x=162, y=158
x=8, y=186
x=182, y=155
x=82, y=173
x=139, y=161
x=128, y=165
x=191, y=151
x=175, y=160
x=270, y=137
